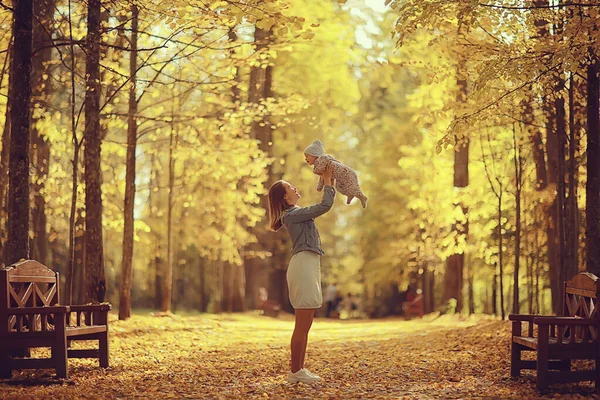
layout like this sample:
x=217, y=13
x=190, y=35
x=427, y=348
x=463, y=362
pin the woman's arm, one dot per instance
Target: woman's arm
x=302, y=214
x=311, y=212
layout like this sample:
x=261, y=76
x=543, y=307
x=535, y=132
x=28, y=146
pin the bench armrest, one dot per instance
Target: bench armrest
x=571, y=321
x=38, y=310
x=91, y=307
x=522, y=317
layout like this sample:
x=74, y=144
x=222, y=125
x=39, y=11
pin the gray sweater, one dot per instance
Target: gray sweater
x=300, y=223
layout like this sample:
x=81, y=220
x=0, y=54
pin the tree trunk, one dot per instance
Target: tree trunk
x=592, y=229
x=552, y=230
x=561, y=136
x=495, y=292
x=572, y=223
x=471, y=289
x=128, y=220
x=4, y=160
x=94, y=254
x=18, y=190
x=428, y=288
x=72, y=264
x=539, y=159
x=500, y=254
x=453, y=278
x=257, y=269
x=518, y=162
x=167, y=278
x=78, y=281
x=234, y=285
x=41, y=90
x=216, y=290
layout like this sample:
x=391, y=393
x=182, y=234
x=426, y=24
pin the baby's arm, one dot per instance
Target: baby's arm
x=321, y=165
x=320, y=184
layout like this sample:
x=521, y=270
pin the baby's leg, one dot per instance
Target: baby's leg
x=352, y=189
x=363, y=199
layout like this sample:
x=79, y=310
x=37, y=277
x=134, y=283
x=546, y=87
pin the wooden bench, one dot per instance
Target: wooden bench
x=31, y=317
x=558, y=340
x=414, y=308
x=270, y=308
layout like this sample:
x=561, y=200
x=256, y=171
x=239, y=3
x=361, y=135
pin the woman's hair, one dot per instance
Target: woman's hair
x=277, y=205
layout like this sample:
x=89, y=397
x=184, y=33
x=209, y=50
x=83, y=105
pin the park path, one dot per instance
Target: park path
x=243, y=356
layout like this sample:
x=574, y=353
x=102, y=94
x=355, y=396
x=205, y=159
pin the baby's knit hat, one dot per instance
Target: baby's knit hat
x=315, y=149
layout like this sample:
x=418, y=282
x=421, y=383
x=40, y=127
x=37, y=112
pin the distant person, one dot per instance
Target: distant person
x=330, y=299
x=349, y=305
x=346, y=180
x=262, y=297
x=304, y=270
x=411, y=291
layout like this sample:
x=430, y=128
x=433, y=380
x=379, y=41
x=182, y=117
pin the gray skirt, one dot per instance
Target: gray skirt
x=304, y=280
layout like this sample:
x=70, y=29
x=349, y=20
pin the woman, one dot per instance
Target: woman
x=304, y=270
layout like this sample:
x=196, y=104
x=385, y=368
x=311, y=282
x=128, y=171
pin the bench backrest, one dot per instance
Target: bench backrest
x=26, y=284
x=581, y=296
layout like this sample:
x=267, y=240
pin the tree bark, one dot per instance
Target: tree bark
x=4, y=155
x=79, y=285
x=94, y=252
x=256, y=269
x=552, y=230
x=592, y=233
x=501, y=254
x=43, y=26
x=495, y=292
x=572, y=210
x=18, y=191
x=73, y=252
x=539, y=158
x=129, y=201
x=561, y=137
x=453, y=278
x=167, y=278
x=552, y=214
x=234, y=293
x=518, y=162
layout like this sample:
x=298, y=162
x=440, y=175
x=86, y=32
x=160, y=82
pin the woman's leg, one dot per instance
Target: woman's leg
x=304, y=319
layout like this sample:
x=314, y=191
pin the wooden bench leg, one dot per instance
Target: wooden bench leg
x=515, y=360
x=515, y=351
x=103, y=347
x=542, y=358
x=597, y=382
x=5, y=370
x=59, y=350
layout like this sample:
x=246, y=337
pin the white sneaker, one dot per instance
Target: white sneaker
x=312, y=374
x=302, y=376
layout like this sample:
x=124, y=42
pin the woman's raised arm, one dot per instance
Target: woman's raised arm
x=301, y=214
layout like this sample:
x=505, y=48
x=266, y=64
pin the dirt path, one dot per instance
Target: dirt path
x=245, y=356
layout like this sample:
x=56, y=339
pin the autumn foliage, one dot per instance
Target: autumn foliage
x=246, y=356
x=139, y=138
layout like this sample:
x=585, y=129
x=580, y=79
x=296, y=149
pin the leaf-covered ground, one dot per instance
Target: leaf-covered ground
x=245, y=356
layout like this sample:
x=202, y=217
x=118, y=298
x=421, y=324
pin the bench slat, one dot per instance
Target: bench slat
x=32, y=363
x=85, y=330
x=28, y=279
x=83, y=353
x=571, y=376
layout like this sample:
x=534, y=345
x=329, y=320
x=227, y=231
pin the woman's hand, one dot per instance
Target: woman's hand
x=327, y=176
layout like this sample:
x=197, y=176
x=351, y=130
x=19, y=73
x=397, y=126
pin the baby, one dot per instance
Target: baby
x=346, y=181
